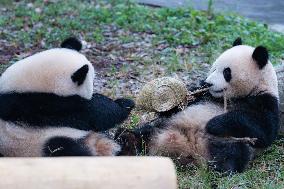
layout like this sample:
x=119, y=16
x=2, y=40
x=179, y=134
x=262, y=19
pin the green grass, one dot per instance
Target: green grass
x=203, y=33
x=210, y=34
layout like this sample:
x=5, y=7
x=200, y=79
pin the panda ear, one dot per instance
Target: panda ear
x=72, y=43
x=260, y=56
x=237, y=42
x=79, y=76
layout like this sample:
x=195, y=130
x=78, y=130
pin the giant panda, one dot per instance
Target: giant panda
x=225, y=138
x=49, y=108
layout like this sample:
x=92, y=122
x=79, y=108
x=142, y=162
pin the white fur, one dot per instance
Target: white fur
x=49, y=71
x=246, y=75
x=197, y=115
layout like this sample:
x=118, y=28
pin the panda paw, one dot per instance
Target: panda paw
x=214, y=127
x=128, y=104
x=229, y=156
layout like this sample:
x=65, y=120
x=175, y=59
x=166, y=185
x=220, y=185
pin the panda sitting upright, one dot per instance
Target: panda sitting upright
x=48, y=107
x=204, y=130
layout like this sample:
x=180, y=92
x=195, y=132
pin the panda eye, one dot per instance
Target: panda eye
x=227, y=74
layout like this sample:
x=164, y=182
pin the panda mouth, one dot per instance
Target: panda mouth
x=218, y=91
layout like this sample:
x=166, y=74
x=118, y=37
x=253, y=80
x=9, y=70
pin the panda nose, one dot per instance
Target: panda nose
x=206, y=84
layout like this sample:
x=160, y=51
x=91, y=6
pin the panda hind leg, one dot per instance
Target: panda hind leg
x=174, y=144
x=229, y=156
x=65, y=146
x=101, y=145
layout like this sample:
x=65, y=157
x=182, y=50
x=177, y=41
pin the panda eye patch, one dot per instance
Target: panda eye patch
x=227, y=74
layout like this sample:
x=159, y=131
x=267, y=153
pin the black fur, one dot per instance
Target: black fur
x=227, y=74
x=229, y=156
x=72, y=43
x=80, y=75
x=237, y=42
x=260, y=56
x=42, y=109
x=64, y=146
x=253, y=116
x=125, y=103
x=131, y=144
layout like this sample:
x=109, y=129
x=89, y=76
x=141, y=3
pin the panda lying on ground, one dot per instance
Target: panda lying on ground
x=204, y=130
x=48, y=107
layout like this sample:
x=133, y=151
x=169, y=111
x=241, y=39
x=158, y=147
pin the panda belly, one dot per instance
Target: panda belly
x=22, y=141
x=185, y=136
x=186, y=140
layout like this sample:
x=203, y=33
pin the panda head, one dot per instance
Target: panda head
x=62, y=71
x=242, y=70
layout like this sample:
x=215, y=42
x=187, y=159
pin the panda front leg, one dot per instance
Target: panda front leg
x=104, y=113
x=239, y=124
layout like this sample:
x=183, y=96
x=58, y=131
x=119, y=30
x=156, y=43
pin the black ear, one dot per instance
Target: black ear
x=72, y=43
x=260, y=56
x=80, y=75
x=237, y=42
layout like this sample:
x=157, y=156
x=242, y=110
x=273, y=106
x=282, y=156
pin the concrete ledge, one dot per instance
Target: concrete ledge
x=88, y=173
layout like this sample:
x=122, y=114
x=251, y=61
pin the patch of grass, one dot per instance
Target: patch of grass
x=126, y=38
x=266, y=171
x=5, y=2
x=98, y=35
x=134, y=120
x=53, y=22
